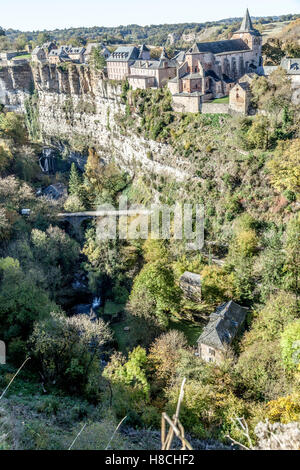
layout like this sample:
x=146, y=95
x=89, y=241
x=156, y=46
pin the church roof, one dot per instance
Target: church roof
x=218, y=47
x=246, y=23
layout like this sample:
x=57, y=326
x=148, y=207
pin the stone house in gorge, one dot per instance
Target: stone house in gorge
x=224, y=326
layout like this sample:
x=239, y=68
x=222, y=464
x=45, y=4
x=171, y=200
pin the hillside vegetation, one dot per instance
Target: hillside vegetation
x=245, y=171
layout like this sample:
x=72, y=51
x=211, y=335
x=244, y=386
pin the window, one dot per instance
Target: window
x=212, y=352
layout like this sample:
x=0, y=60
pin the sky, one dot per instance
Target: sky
x=29, y=15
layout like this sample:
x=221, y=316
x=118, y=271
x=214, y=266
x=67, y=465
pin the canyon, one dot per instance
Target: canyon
x=77, y=109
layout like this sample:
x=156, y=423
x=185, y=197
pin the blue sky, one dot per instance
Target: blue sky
x=40, y=14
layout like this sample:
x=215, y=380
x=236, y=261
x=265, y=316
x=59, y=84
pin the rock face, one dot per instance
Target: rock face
x=16, y=84
x=79, y=109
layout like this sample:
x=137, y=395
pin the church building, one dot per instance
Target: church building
x=210, y=69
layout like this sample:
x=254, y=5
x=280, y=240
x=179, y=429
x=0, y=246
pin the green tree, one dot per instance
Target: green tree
x=154, y=294
x=69, y=350
x=97, y=59
x=75, y=181
x=290, y=346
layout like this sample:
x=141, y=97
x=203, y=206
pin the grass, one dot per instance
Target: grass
x=24, y=56
x=225, y=99
x=191, y=331
x=126, y=339
x=111, y=308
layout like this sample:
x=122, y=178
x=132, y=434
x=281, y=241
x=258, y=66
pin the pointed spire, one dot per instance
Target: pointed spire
x=164, y=54
x=246, y=23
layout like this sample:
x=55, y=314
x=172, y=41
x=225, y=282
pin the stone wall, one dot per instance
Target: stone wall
x=16, y=84
x=215, y=108
x=187, y=103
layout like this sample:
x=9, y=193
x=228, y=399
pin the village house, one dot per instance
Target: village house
x=136, y=66
x=95, y=45
x=48, y=46
x=152, y=73
x=240, y=94
x=120, y=61
x=210, y=69
x=76, y=54
x=38, y=54
x=56, y=56
x=224, y=326
x=292, y=68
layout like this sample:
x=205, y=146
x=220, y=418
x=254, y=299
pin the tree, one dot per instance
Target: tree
x=2, y=32
x=22, y=303
x=165, y=354
x=97, y=59
x=5, y=156
x=258, y=134
x=75, y=181
x=272, y=94
x=291, y=268
x=154, y=294
x=69, y=350
x=21, y=42
x=42, y=38
x=284, y=167
x=290, y=346
x=132, y=373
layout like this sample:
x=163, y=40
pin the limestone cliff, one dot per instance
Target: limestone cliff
x=79, y=109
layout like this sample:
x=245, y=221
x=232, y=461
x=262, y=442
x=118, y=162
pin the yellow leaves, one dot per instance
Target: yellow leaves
x=284, y=409
x=246, y=242
x=217, y=284
x=284, y=168
x=5, y=155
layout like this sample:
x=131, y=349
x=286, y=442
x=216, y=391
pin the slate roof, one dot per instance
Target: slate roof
x=180, y=57
x=152, y=64
x=246, y=23
x=124, y=54
x=292, y=66
x=76, y=50
x=266, y=69
x=218, y=47
x=36, y=50
x=58, y=52
x=212, y=74
x=191, y=76
x=227, y=79
x=223, y=325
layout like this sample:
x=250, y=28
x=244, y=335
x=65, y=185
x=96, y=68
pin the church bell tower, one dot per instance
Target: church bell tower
x=251, y=37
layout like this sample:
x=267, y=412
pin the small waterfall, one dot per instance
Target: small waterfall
x=96, y=302
x=47, y=161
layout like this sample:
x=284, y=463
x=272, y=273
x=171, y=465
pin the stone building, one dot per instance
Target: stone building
x=76, y=54
x=135, y=64
x=38, y=54
x=240, y=94
x=159, y=71
x=120, y=61
x=48, y=46
x=224, y=325
x=95, y=45
x=212, y=68
x=292, y=68
x=56, y=56
x=190, y=284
